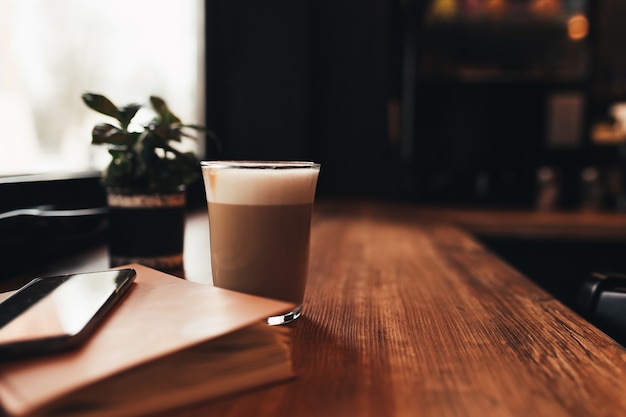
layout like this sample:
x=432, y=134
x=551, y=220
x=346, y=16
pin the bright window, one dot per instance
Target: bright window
x=53, y=51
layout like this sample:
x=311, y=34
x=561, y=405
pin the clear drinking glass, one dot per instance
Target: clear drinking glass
x=260, y=225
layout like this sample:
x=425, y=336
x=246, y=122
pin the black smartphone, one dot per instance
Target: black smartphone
x=54, y=314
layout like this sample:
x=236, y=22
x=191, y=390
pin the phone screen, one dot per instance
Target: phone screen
x=60, y=307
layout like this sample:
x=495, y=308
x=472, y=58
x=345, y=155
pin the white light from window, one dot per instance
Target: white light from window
x=53, y=51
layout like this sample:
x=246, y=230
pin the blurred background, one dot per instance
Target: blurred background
x=483, y=102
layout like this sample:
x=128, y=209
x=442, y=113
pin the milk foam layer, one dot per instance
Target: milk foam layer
x=229, y=185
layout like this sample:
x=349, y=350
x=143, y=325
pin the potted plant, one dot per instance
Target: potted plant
x=146, y=182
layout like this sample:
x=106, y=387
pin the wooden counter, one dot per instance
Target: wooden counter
x=535, y=225
x=410, y=316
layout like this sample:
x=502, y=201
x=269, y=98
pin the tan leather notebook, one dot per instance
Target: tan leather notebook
x=170, y=342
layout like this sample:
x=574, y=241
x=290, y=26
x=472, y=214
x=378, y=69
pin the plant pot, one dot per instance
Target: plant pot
x=147, y=228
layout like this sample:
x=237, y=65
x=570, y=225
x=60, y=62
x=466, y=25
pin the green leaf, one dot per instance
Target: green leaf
x=196, y=127
x=105, y=133
x=202, y=129
x=127, y=113
x=101, y=104
x=165, y=115
x=119, y=172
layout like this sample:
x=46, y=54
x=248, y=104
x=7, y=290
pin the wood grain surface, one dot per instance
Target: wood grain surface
x=410, y=317
x=406, y=314
x=527, y=224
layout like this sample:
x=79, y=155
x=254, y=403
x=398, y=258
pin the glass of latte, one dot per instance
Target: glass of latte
x=259, y=226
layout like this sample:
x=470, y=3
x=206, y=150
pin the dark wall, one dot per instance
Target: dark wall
x=302, y=80
x=352, y=72
x=258, y=78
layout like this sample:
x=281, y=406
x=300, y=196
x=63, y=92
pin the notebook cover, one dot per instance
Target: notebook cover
x=162, y=314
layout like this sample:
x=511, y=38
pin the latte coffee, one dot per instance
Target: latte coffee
x=259, y=225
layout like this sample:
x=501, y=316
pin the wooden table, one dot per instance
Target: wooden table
x=518, y=224
x=409, y=316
